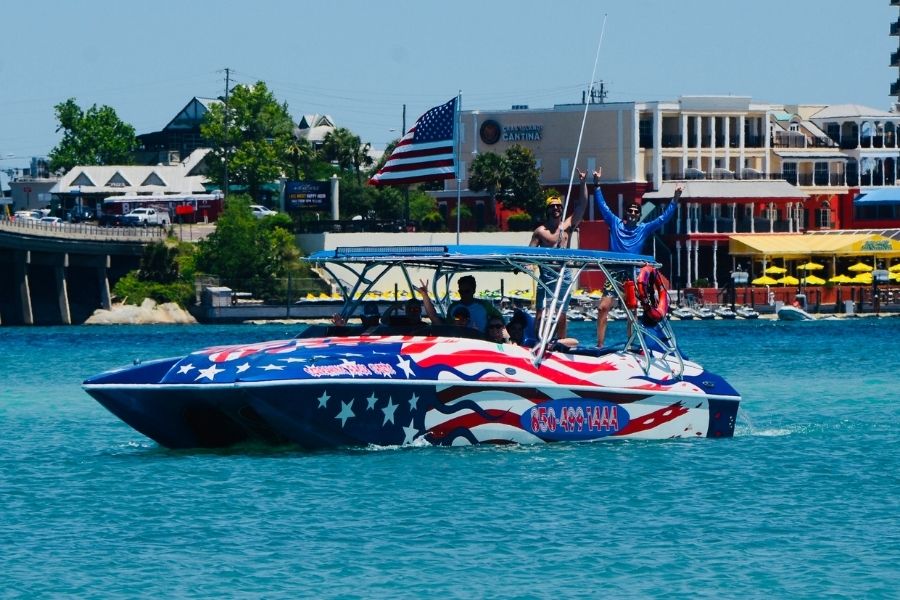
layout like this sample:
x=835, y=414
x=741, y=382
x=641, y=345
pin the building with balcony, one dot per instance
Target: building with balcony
x=746, y=167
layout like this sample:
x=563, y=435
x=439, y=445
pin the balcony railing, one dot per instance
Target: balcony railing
x=895, y=27
x=746, y=174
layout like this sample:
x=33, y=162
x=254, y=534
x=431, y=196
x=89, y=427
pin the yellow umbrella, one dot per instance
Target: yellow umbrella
x=865, y=278
x=895, y=276
x=775, y=270
x=895, y=268
x=840, y=279
x=788, y=280
x=811, y=266
x=859, y=267
x=812, y=280
x=764, y=280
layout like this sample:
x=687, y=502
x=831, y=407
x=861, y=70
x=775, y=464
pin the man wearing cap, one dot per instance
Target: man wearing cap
x=629, y=236
x=554, y=233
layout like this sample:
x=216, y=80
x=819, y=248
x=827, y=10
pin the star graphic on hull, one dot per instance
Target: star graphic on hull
x=210, y=373
x=410, y=433
x=346, y=412
x=406, y=366
x=243, y=367
x=323, y=399
x=413, y=402
x=389, y=411
x=185, y=369
x=371, y=400
x=273, y=368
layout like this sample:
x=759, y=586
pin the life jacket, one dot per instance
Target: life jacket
x=652, y=293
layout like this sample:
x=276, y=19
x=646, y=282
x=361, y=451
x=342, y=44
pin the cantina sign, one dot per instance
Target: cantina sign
x=492, y=132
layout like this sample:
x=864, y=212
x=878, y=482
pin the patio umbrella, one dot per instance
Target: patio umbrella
x=895, y=268
x=895, y=276
x=764, y=280
x=812, y=280
x=865, y=278
x=775, y=270
x=788, y=280
x=859, y=267
x=811, y=266
x=840, y=279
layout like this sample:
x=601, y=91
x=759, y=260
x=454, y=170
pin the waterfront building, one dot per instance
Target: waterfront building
x=746, y=167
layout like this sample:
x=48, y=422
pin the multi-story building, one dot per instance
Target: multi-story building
x=746, y=167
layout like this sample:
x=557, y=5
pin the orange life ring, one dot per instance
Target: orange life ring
x=653, y=295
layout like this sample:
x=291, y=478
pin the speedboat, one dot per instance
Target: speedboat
x=683, y=313
x=400, y=383
x=746, y=312
x=703, y=313
x=724, y=312
x=789, y=312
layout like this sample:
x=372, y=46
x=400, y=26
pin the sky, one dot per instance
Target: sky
x=361, y=61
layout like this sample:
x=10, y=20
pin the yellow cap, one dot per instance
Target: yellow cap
x=554, y=200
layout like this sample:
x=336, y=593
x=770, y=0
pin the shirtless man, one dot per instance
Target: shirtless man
x=555, y=233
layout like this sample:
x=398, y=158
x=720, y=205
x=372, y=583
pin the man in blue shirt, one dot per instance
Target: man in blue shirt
x=628, y=235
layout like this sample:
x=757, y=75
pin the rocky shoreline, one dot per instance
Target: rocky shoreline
x=148, y=313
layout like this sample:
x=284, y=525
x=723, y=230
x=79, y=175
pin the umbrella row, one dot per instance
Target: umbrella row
x=863, y=275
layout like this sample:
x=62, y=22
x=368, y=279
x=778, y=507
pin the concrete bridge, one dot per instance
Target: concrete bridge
x=53, y=274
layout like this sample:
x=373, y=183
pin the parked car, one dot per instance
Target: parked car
x=260, y=211
x=27, y=215
x=110, y=220
x=144, y=217
x=56, y=221
x=78, y=214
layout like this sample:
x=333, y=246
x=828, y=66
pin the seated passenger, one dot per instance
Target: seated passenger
x=496, y=331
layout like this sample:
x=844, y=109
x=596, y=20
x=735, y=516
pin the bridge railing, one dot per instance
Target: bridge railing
x=85, y=231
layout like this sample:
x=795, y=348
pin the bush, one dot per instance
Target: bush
x=519, y=222
x=433, y=222
x=702, y=282
x=132, y=290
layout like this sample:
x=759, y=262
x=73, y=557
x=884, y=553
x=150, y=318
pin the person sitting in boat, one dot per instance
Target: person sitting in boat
x=628, y=235
x=496, y=331
x=555, y=233
x=478, y=310
x=412, y=312
x=521, y=328
x=371, y=318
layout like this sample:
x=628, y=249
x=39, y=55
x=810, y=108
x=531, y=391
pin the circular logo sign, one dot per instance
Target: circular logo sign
x=490, y=132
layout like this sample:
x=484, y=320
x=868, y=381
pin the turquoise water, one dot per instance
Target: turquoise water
x=803, y=502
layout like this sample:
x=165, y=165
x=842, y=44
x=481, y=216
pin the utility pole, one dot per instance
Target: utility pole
x=227, y=83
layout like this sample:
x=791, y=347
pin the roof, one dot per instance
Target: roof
x=475, y=257
x=132, y=179
x=190, y=117
x=725, y=189
x=851, y=111
x=820, y=153
x=811, y=244
x=879, y=196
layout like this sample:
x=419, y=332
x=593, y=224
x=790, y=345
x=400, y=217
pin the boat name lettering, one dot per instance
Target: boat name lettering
x=522, y=133
x=349, y=368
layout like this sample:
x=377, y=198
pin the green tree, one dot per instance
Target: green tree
x=525, y=184
x=255, y=133
x=248, y=254
x=347, y=151
x=93, y=137
x=490, y=172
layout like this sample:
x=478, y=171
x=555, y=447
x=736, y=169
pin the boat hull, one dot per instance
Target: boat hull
x=334, y=392
x=792, y=313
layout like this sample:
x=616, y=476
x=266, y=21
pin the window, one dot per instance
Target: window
x=789, y=172
x=823, y=216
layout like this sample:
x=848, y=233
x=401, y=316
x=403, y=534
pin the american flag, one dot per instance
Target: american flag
x=425, y=153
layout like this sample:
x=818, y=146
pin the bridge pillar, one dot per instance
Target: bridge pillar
x=62, y=291
x=22, y=259
x=103, y=282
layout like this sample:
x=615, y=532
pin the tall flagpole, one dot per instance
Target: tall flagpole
x=553, y=312
x=456, y=166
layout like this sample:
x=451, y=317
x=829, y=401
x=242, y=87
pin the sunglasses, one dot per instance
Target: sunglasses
x=495, y=326
x=460, y=317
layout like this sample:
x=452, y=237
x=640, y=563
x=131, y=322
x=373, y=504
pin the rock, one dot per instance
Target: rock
x=148, y=313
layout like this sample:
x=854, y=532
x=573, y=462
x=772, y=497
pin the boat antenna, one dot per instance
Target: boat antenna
x=554, y=311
